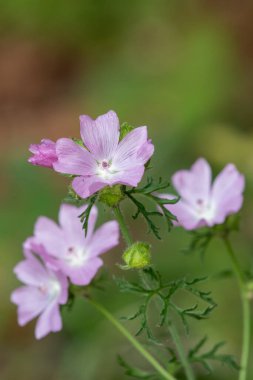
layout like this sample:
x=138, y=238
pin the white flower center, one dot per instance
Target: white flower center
x=76, y=256
x=105, y=169
x=50, y=289
x=204, y=209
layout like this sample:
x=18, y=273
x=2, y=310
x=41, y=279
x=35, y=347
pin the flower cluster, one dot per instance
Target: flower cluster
x=107, y=157
x=54, y=256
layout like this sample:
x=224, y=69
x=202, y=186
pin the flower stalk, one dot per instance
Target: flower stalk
x=152, y=361
x=245, y=310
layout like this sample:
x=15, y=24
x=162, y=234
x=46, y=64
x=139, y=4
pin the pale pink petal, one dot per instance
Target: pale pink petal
x=73, y=159
x=83, y=274
x=49, y=321
x=72, y=226
x=227, y=192
x=31, y=271
x=127, y=152
x=105, y=238
x=44, y=154
x=129, y=177
x=101, y=136
x=86, y=186
x=30, y=303
x=186, y=216
x=194, y=185
x=48, y=233
x=146, y=151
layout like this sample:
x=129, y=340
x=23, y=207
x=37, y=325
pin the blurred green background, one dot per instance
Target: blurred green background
x=184, y=68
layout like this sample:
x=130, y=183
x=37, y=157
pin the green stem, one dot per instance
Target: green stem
x=180, y=349
x=153, y=362
x=245, y=310
x=123, y=227
x=177, y=341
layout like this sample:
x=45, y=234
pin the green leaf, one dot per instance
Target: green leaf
x=135, y=372
x=84, y=217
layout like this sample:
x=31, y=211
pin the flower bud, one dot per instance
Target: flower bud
x=125, y=128
x=111, y=195
x=137, y=256
x=44, y=154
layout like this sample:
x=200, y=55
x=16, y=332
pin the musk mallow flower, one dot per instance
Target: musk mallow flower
x=66, y=248
x=104, y=160
x=43, y=292
x=44, y=154
x=203, y=203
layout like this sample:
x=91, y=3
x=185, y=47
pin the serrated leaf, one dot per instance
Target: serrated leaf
x=84, y=217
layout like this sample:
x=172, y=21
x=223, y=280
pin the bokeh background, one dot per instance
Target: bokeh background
x=185, y=69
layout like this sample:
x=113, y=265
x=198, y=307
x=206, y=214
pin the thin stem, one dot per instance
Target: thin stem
x=177, y=341
x=123, y=227
x=153, y=362
x=181, y=353
x=245, y=310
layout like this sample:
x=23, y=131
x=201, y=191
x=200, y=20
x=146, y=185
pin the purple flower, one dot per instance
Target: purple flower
x=66, y=248
x=43, y=292
x=203, y=203
x=44, y=154
x=105, y=160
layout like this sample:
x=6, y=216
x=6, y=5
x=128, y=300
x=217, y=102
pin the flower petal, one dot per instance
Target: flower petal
x=82, y=275
x=194, y=185
x=100, y=136
x=227, y=192
x=132, y=150
x=49, y=234
x=31, y=271
x=49, y=321
x=86, y=186
x=186, y=217
x=105, y=238
x=73, y=159
x=129, y=177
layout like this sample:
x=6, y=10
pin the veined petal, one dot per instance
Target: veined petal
x=73, y=159
x=86, y=186
x=100, y=136
x=194, y=185
x=186, y=217
x=105, y=238
x=31, y=271
x=131, y=149
x=129, y=177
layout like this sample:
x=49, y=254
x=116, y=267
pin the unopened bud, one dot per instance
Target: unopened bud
x=137, y=256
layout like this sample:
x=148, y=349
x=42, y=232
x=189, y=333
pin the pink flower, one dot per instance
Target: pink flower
x=203, y=203
x=44, y=154
x=41, y=296
x=66, y=248
x=105, y=161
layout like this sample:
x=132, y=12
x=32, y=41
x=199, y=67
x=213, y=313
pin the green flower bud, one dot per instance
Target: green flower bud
x=111, y=195
x=137, y=256
x=125, y=128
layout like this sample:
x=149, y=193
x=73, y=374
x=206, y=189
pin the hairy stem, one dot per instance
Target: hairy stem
x=152, y=361
x=123, y=227
x=245, y=310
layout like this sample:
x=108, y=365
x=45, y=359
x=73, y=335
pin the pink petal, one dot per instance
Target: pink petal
x=194, y=185
x=186, y=217
x=82, y=275
x=31, y=271
x=73, y=159
x=72, y=226
x=30, y=303
x=105, y=238
x=227, y=192
x=49, y=321
x=130, y=151
x=86, y=186
x=146, y=151
x=48, y=233
x=100, y=136
x=129, y=177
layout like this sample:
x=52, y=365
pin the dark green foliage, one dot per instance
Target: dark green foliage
x=135, y=372
x=150, y=191
x=212, y=354
x=84, y=217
